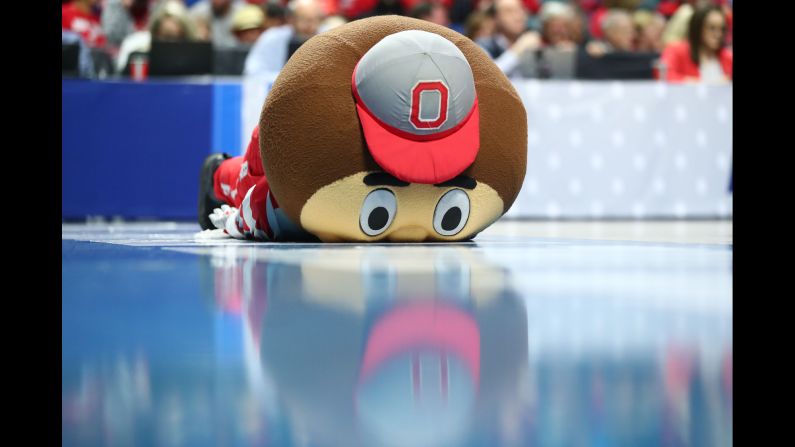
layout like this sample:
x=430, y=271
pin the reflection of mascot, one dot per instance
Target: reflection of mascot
x=386, y=128
x=405, y=349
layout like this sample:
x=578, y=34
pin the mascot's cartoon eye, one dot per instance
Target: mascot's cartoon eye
x=451, y=213
x=378, y=210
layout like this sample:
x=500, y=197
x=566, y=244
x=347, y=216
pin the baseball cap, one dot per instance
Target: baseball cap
x=248, y=17
x=416, y=100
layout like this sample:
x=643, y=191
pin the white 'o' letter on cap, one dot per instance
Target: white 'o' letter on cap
x=417, y=82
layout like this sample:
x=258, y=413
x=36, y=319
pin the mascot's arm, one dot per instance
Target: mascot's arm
x=251, y=220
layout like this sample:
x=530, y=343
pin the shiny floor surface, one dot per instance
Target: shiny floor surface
x=533, y=334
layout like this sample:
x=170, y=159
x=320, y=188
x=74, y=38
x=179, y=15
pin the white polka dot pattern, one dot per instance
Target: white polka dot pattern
x=626, y=150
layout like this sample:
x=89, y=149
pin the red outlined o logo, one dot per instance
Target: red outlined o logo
x=416, y=92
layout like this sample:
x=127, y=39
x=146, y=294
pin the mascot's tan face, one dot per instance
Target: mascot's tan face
x=373, y=206
x=322, y=171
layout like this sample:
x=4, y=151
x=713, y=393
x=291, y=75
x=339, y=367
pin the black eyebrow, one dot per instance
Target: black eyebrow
x=462, y=181
x=382, y=179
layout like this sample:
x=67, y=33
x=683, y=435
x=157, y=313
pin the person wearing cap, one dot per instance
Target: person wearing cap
x=386, y=141
x=248, y=23
x=275, y=46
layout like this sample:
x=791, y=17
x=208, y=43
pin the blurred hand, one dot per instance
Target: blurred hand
x=220, y=216
x=528, y=41
x=596, y=49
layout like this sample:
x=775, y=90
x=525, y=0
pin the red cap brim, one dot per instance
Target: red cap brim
x=421, y=160
x=423, y=324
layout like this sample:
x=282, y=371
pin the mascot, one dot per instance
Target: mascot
x=383, y=129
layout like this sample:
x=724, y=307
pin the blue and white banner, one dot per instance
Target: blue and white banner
x=595, y=149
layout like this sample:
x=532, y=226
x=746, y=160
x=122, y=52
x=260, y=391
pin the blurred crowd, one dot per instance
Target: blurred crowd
x=688, y=40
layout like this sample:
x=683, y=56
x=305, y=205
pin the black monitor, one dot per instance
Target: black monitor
x=180, y=58
x=616, y=65
x=70, y=59
x=103, y=63
x=230, y=61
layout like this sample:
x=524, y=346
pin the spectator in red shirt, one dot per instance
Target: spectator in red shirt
x=704, y=57
x=80, y=18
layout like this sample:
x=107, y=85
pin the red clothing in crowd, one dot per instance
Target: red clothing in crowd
x=669, y=7
x=330, y=7
x=355, y=8
x=595, y=25
x=532, y=6
x=83, y=23
x=679, y=66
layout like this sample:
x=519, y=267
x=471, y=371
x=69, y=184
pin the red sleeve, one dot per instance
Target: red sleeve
x=674, y=67
x=247, y=174
x=596, y=22
x=253, y=156
x=355, y=8
x=533, y=5
x=66, y=17
x=726, y=62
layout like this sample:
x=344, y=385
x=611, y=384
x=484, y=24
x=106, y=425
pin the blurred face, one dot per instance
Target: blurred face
x=511, y=17
x=486, y=29
x=248, y=36
x=575, y=28
x=650, y=37
x=621, y=34
x=203, y=31
x=306, y=19
x=170, y=29
x=439, y=16
x=713, y=31
x=557, y=30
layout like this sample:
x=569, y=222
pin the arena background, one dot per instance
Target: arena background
x=598, y=311
x=631, y=150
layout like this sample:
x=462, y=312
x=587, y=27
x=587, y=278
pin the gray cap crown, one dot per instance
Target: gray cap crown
x=389, y=72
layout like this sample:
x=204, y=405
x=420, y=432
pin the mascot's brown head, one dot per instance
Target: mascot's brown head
x=396, y=129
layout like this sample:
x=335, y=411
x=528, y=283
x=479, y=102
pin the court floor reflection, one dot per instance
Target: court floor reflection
x=522, y=343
